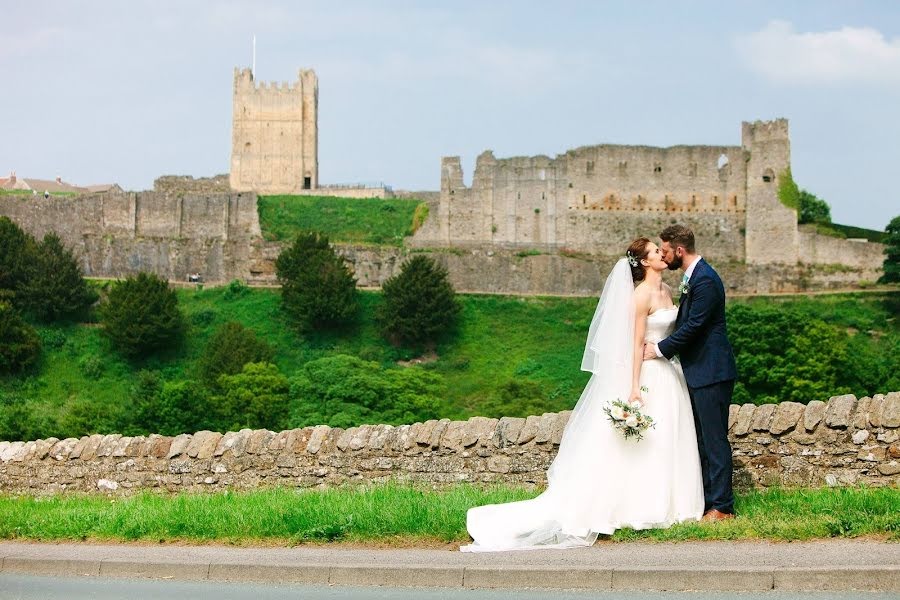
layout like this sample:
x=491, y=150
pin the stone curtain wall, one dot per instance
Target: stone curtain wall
x=841, y=442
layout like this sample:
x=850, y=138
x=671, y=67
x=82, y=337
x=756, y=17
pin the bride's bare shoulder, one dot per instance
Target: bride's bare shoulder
x=641, y=296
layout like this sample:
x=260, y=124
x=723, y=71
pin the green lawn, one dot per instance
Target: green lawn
x=408, y=515
x=349, y=220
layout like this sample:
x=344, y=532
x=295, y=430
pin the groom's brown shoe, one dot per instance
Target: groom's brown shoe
x=715, y=515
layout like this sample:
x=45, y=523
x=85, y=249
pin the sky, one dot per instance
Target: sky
x=99, y=92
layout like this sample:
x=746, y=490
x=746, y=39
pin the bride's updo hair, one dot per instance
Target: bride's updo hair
x=639, y=251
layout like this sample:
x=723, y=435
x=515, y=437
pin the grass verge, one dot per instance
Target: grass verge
x=404, y=515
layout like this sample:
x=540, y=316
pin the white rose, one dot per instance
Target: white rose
x=617, y=413
x=635, y=404
x=631, y=421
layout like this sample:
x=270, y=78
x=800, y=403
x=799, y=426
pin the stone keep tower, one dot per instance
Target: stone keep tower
x=275, y=134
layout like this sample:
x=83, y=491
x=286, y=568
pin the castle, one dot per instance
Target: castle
x=526, y=224
x=595, y=199
x=275, y=134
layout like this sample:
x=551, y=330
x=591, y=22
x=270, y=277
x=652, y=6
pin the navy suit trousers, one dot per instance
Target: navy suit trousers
x=710, y=404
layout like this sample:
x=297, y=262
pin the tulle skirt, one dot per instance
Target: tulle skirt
x=599, y=481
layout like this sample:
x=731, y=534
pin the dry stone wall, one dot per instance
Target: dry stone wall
x=843, y=441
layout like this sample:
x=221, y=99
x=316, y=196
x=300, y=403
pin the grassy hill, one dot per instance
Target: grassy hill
x=511, y=355
x=349, y=220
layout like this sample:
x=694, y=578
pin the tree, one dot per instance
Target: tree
x=419, y=303
x=892, y=253
x=230, y=348
x=141, y=315
x=318, y=290
x=20, y=346
x=16, y=251
x=257, y=397
x=55, y=287
x=813, y=209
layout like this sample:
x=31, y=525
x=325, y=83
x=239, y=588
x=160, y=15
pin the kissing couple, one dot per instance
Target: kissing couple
x=638, y=340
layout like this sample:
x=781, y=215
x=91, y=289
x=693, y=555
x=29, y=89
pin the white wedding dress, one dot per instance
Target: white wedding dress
x=599, y=481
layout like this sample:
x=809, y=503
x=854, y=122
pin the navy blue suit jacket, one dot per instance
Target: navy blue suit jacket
x=700, y=337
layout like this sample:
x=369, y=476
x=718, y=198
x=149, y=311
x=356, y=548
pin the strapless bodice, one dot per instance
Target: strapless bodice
x=660, y=324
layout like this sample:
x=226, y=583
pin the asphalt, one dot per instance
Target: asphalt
x=833, y=565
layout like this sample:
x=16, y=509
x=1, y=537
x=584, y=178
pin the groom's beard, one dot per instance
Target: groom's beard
x=676, y=263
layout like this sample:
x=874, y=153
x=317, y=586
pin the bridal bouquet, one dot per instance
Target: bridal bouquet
x=627, y=418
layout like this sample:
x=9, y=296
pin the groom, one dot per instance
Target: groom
x=701, y=340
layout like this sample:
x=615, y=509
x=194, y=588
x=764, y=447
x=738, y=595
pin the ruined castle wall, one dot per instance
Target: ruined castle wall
x=115, y=235
x=827, y=250
x=844, y=441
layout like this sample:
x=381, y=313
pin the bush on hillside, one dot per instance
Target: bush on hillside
x=419, y=304
x=16, y=253
x=21, y=419
x=318, y=289
x=344, y=391
x=141, y=315
x=55, y=287
x=891, y=264
x=257, y=397
x=230, y=348
x=813, y=209
x=20, y=346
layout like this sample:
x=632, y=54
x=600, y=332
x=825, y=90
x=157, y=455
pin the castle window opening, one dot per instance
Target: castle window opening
x=584, y=198
x=307, y=183
x=589, y=167
x=657, y=168
x=768, y=176
x=518, y=195
x=542, y=174
x=723, y=160
x=543, y=196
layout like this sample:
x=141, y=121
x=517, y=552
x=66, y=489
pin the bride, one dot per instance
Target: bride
x=599, y=481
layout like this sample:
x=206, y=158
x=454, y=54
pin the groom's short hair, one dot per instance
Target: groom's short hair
x=679, y=235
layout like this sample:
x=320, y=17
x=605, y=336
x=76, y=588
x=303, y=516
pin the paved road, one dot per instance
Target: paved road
x=29, y=587
x=833, y=565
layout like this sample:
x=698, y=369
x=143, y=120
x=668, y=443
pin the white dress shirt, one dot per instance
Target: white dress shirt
x=686, y=278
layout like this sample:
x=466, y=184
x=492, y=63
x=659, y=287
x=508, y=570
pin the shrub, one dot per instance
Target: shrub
x=55, y=287
x=20, y=345
x=141, y=315
x=318, y=290
x=419, y=303
x=257, y=397
x=230, y=348
x=343, y=391
x=813, y=209
x=16, y=252
x=892, y=253
x=22, y=420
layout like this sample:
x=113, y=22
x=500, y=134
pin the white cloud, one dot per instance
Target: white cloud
x=849, y=54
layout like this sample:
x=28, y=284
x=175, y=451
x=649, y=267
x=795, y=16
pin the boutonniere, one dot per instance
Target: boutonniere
x=684, y=288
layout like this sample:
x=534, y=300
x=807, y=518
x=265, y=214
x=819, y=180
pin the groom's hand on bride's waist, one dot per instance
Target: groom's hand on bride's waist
x=650, y=352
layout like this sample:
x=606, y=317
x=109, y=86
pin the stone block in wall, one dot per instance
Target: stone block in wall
x=258, y=441
x=108, y=444
x=121, y=445
x=62, y=450
x=479, y=429
x=837, y=414
x=438, y=432
x=401, y=438
x=762, y=417
x=529, y=429
x=508, y=430
x=343, y=442
x=545, y=428
x=733, y=410
x=890, y=410
x=135, y=446
x=787, y=416
x=860, y=418
x=423, y=432
x=453, y=436
x=203, y=445
x=317, y=438
x=744, y=419
x=179, y=445
x=559, y=426
x=876, y=406
x=813, y=414
x=381, y=434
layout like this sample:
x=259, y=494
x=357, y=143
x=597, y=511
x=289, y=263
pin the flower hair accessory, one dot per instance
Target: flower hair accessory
x=632, y=260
